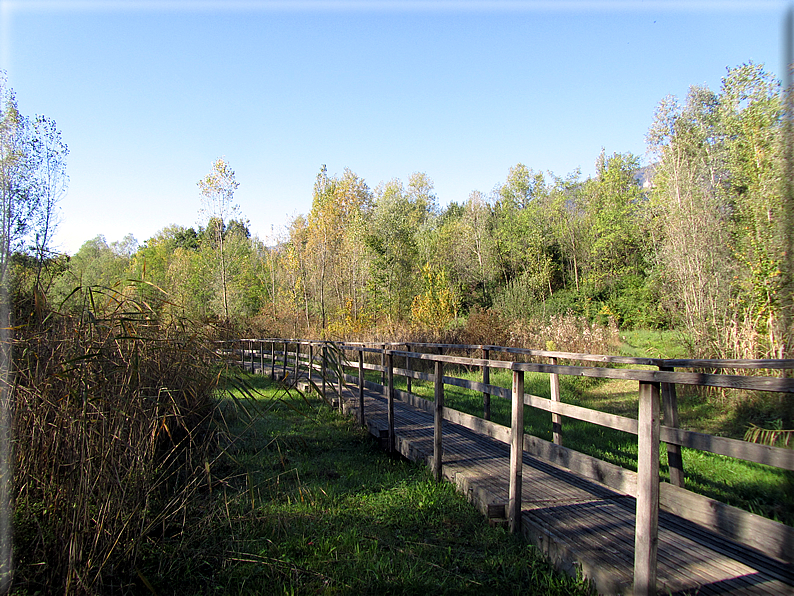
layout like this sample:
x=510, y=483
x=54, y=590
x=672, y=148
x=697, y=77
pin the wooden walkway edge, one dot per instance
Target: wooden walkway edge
x=579, y=523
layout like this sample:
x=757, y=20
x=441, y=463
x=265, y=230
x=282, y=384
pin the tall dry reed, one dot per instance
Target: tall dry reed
x=110, y=438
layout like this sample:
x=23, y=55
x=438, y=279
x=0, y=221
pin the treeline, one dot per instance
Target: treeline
x=694, y=242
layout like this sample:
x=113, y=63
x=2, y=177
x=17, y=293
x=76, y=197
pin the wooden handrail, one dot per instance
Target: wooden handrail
x=772, y=364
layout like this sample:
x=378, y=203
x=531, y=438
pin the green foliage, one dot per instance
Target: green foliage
x=718, y=202
x=692, y=241
x=644, y=343
x=613, y=203
x=97, y=263
x=32, y=180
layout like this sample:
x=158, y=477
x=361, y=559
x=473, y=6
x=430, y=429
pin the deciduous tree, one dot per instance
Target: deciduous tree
x=218, y=208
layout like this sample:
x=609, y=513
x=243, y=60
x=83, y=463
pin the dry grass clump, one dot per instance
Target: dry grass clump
x=109, y=440
x=486, y=327
x=564, y=333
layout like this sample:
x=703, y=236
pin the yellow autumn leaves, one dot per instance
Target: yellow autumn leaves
x=436, y=307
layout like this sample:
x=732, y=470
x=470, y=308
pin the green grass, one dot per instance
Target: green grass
x=757, y=488
x=652, y=343
x=303, y=501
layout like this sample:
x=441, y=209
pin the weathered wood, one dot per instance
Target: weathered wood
x=486, y=380
x=413, y=374
x=375, y=367
x=773, y=456
x=408, y=378
x=486, y=502
x=755, y=383
x=503, y=392
x=340, y=373
x=646, y=537
x=529, y=352
x=628, y=425
x=783, y=364
x=383, y=364
x=311, y=362
x=272, y=361
x=780, y=457
x=390, y=397
x=769, y=537
x=361, y=387
x=775, y=384
x=587, y=519
x=780, y=364
x=611, y=475
x=417, y=402
x=478, y=425
x=438, y=420
x=324, y=369
x=675, y=464
x=556, y=419
x=516, y=452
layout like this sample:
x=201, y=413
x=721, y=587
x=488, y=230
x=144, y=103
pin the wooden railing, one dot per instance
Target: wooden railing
x=769, y=537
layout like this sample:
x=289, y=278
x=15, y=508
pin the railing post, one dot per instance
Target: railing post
x=646, y=537
x=341, y=374
x=324, y=365
x=438, y=419
x=262, y=356
x=284, y=367
x=310, y=367
x=251, y=349
x=556, y=419
x=390, y=397
x=383, y=363
x=516, y=452
x=272, y=361
x=675, y=464
x=408, y=366
x=297, y=358
x=486, y=379
x=361, y=386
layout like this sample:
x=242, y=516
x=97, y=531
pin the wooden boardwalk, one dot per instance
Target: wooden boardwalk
x=627, y=532
x=577, y=522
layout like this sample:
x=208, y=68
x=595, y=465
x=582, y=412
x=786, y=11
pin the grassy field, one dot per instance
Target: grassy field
x=303, y=501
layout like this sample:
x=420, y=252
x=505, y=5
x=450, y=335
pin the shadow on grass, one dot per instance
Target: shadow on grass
x=308, y=505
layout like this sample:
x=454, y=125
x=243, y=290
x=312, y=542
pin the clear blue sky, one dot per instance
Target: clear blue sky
x=148, y=94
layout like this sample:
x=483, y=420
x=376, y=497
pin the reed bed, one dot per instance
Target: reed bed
x=111, y=436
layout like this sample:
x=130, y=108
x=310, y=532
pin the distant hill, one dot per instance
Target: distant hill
x=644, y=176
